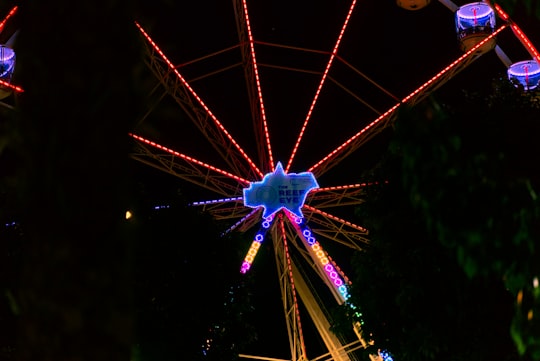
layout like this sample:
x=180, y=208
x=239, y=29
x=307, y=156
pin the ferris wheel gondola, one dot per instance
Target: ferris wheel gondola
x=477, y=20
x=8, y=61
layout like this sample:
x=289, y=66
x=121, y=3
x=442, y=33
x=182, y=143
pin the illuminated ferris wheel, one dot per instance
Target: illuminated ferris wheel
x=271, y=169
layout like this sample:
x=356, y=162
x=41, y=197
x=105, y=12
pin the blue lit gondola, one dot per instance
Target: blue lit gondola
x=475, y=22
x=525, y=74
x=7, y=66
x=7, y=63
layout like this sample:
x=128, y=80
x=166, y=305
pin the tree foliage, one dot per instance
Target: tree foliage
x=529, y=7
x=453, y=269
x=190, y=302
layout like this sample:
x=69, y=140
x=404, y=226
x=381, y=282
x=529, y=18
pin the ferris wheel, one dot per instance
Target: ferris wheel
x=274, y=123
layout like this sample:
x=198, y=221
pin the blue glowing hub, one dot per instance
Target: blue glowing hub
x=278, y=190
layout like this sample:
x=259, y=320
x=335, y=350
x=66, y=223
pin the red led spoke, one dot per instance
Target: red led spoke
x=318, y=92
x=10, y=14
x=258, y=83
x=340, y=220
x=348, y=186
x=201, y=102
x=11, y=86
x=291, y=280
x=520, y=34
x=406, y=99
x=189, y=159
x=454, y=64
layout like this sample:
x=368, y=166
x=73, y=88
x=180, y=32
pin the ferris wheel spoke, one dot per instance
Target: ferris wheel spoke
x=387, y=118
x=187, y=168
x=519, y=34
x=254, y=89
x=196, y=109
x=321, y=83
x=338, y=196
x=288, y=276
x=336, y=281
x=5, y=84
x=336, y=228
x=7, y=17
x=323, y=264
x=256, y=244
x=247, y=222
x=224, y=208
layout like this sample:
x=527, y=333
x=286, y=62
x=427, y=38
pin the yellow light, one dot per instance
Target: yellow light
x=128, y=214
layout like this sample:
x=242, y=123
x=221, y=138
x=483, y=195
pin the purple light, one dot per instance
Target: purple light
x=214, y=201
x=255, y=245
x=476, y=10
x=329, y=269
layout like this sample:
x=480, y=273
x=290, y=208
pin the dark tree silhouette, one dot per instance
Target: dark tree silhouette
x=455, y=231
x=190, y=302
x=78, y=64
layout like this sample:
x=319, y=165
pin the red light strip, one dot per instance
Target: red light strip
x=520, y=34
x=11, y=86
x=293, y=288
x=10, y=14
x=258, y=83
x=201, y=102
x=453, y=64
x=188, y=158
x=349, y=186
x=341, y=220
x=318, y=92
x=407, y=98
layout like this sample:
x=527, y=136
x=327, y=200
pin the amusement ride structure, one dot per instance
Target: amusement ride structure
x=265, y=166
x=268, y=196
